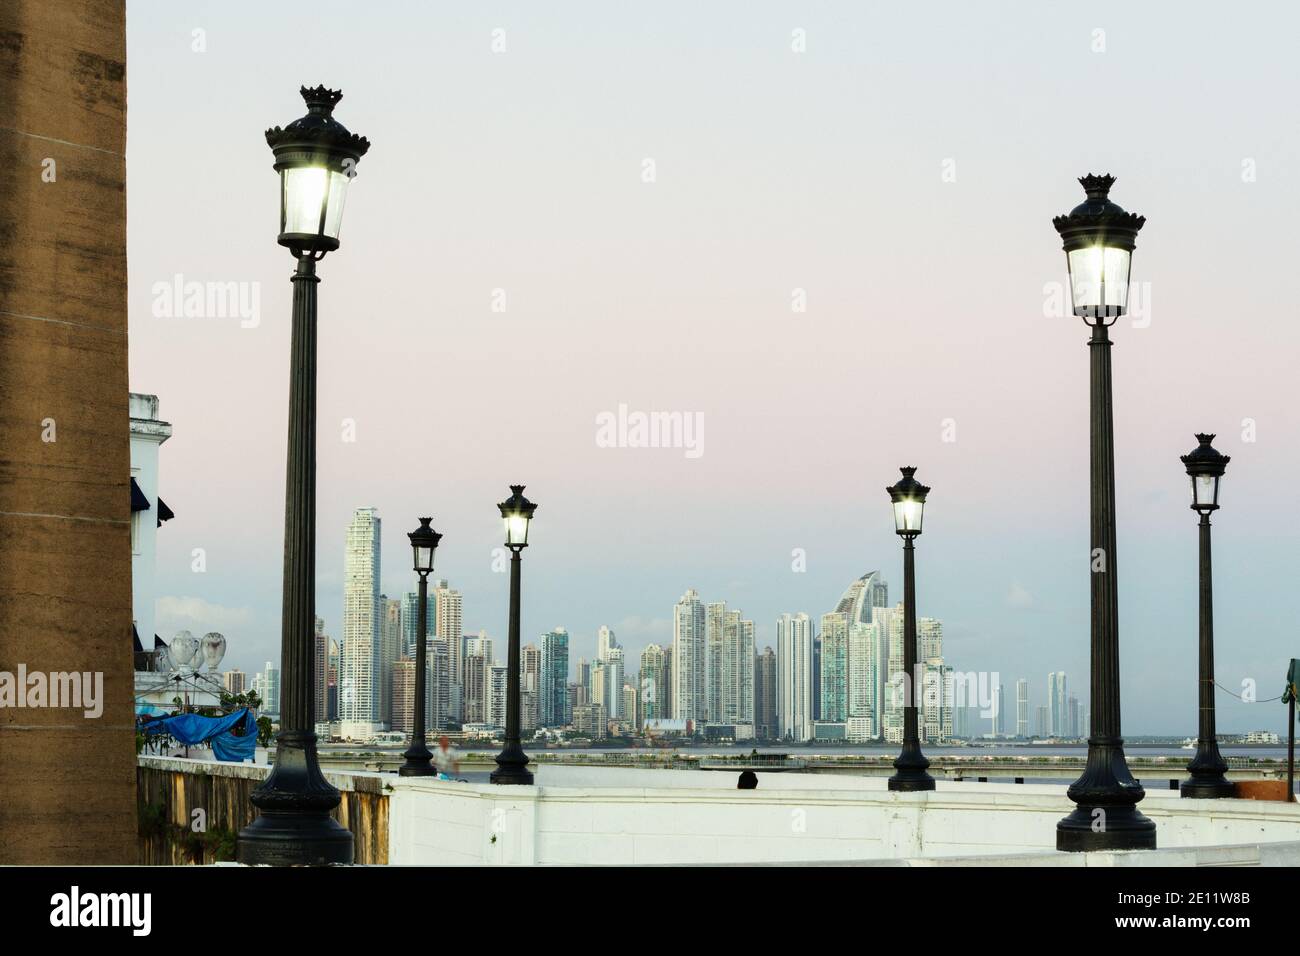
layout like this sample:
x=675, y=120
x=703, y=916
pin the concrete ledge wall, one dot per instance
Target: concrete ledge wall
x=788, y=819
x=171, y=788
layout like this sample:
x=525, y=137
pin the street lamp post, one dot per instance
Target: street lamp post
x=316, y=158
x=1205, y=467
x=908, y=496
x=419, y=761
x=512, y=762
x=1099, y=238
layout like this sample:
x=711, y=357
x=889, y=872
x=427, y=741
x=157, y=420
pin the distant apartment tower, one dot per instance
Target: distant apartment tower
x=690, y=690
x=411, y=621
x=605, y=642
x=530, y=684
x=390, y=647
x=360, y=696
x=654, y=683
x=1022, y=708
x=835, y=667
x=234, y=681
x=497, y=676
x=554, y=688
x=765, y=694
x=447, y=627
x=321, y=675
x=999, y=716
x=271, y=689
x=614, y=684
x=1057, y=706
x=403, y=696
x=1072, y=717
x=1041, y=723
x=794, y=667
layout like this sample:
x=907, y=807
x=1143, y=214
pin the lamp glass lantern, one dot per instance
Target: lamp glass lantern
x=1205, y=466
x=908, y=496
x=424, y=542
x=1099, y=238
x=517, y=514
x=316, y=158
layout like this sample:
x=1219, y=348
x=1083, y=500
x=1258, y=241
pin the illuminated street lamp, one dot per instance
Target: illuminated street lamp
x=316, y=158
x=512, y=762
x=424, y=542
x=1205, y=467
x=1099, y=238
x=908, y=497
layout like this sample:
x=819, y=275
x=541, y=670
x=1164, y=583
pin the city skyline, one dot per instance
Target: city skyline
x=876, y=215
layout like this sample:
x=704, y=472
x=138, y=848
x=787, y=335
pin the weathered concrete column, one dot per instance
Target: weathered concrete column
x=67, y=781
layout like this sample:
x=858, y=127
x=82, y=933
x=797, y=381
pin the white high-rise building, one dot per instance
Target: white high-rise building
x=737, y=678
x=614, y=679
x=715, y=623
x=794, y=666
x=1057, y=704
x=605, y=642
x=689, y=666
x=447, y=627
x=270, y=692
x=497, y=695
x=360, y=696
x=864, y=685
x=1022, y=708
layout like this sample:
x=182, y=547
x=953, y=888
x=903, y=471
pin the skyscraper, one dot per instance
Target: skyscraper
x=794, y=667
x=390, y=645
x=411, y=621
x=497, y=695
x=403, y=696
x=530, y=684
x=835, y=667
x=690, y=691
x=270, y=692
x=605, y=642
x=999, y=718
x=654, y=683
x=447, y=627
x=360, y=694
x=715, y=622
x=765, y=695
x=737, y=698
x=554, y=690
x=321, y=665
x=614, y=694
x=1056, y=704
x=1022, y=708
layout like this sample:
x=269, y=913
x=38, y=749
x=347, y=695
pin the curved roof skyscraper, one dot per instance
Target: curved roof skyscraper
x=866, y=592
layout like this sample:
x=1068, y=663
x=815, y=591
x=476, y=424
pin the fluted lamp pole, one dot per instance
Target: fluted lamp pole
x=512, y=762
x=911, y=766
x=419, y=761
x=316, y=158
x=1099, y=238
x=1205, y=467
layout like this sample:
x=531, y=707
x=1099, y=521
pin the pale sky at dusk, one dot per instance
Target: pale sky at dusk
x=774, y=171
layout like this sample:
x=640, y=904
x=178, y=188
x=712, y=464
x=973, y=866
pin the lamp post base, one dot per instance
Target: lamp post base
x=512, y=767
x=295, y=827
x=1100, y=827
x=911, y=767
x=1106, y=816
x=419, y=762
x=1207, y=788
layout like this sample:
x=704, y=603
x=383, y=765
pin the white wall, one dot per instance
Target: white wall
x=147, y=433
x=789, y=818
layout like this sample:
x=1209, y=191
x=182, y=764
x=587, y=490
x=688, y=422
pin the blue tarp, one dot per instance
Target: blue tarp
x=193, y=729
